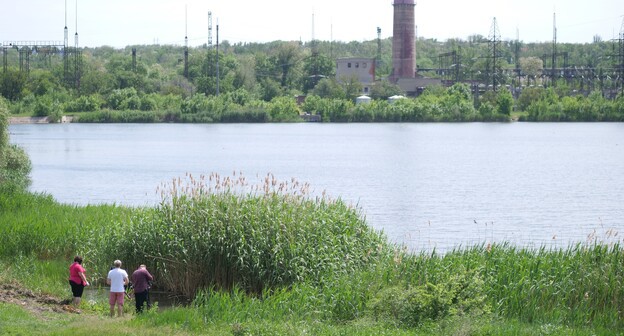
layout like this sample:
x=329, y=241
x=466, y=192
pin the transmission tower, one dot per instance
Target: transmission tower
x=554, y=51
x=209, y=30
x=494, y=54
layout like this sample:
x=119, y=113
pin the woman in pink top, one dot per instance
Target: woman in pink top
x=77, y=280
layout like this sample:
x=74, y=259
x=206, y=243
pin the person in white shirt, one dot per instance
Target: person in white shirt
x=117, y=279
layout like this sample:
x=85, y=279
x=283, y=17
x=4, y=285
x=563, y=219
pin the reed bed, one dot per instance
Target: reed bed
x=222, y=232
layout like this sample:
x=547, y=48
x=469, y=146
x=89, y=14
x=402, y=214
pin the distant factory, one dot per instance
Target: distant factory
x=404, y=70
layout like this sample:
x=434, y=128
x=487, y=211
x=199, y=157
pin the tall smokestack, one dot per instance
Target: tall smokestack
x=404, y=40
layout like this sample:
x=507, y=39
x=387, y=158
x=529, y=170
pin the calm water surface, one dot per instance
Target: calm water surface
x=425, y=185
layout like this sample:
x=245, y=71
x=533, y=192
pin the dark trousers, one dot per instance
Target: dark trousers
x=142, y=298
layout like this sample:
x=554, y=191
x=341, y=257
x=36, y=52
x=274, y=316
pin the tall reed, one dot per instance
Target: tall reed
x=223, y=232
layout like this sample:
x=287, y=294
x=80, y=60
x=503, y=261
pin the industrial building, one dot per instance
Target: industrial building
x=404, y=70
x=362, y=69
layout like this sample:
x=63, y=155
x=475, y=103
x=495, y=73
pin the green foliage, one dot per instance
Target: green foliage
x=505, y=102
x=108, y=116
x=384, y=89
x=549, y=107
x=317, y=67
x=89, y=103
x=15, y=165
x=283, y=109
x=528, y=96
x=123, y=99
x=15, y=170
x=12, y=84
x=329, y=88
x=207, y=234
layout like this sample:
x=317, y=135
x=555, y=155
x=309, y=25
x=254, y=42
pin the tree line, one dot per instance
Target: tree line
x=257, y=82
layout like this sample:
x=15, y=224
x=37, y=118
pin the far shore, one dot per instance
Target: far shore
x=36, y=120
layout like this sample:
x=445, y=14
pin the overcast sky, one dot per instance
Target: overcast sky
x=119, y=23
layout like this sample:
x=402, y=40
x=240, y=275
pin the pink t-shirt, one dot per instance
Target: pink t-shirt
x=74, y=269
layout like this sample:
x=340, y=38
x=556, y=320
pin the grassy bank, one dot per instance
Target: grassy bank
x=272, y=259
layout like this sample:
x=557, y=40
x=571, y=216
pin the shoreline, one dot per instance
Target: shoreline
x=37, y=120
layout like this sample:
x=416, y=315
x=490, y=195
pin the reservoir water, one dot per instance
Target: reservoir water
x=428, y=186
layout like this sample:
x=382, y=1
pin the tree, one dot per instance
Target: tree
x=284, y=109
x=384, y=89
x=505, y=102
x=315, y=68
x=287, y=60
x=14, y=162
x=329, y=88
x=351, y=85
x=532, y=67
x=12, y=84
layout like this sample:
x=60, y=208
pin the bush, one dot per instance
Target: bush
x=89, y=103
x=462, y=293
x=283, y=109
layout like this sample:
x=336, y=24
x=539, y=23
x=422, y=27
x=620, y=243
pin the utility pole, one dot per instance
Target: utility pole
x=186, y=53
x=217, y=58
x=378, y=63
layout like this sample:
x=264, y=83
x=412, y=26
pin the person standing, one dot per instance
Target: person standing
x=77, y=280
x=117, y=278
x=140, y=282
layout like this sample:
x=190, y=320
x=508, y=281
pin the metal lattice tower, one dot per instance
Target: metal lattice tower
x=494, y=55
x=209, y=30
x=554, y=51
x=449, y=66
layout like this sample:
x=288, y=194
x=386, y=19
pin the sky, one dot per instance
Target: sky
x=119, y=23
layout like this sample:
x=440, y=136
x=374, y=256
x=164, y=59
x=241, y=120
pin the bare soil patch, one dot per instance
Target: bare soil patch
x=14, y=293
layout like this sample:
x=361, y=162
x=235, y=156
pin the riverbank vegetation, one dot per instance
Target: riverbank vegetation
x=14, y=162
x=258, y=82
x=266, y=259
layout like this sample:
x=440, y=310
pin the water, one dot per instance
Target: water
x=162, y=300
x=428, y=186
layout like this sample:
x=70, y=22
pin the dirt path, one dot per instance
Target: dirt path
x=15, y=294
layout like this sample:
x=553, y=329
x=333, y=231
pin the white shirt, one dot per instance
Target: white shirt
x=117, y=276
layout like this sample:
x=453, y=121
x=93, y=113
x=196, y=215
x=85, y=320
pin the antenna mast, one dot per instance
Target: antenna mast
x=186, y=53
x=66, y=44
x=76, y=35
